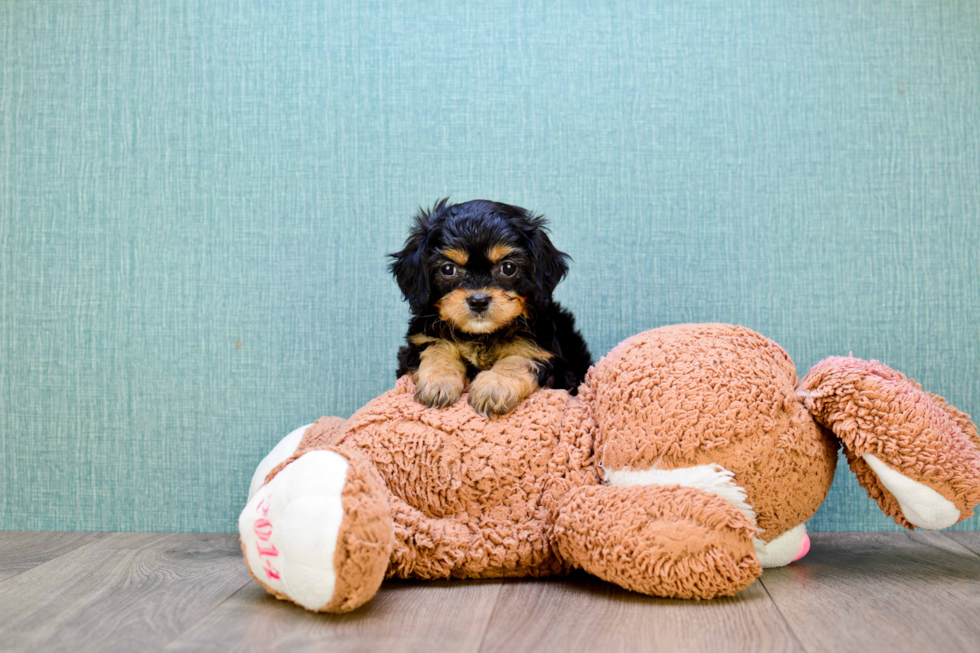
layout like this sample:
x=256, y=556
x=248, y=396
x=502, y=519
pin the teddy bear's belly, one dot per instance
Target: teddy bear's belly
x=484, y=476
x=465, y=474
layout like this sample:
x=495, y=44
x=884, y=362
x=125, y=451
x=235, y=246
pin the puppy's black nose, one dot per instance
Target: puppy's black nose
x=478, y=302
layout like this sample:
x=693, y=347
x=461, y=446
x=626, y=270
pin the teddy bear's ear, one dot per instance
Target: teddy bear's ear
x=916, y=455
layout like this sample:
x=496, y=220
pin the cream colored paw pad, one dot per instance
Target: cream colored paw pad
x=788, y=547
x=921, y=505
x=289, y=528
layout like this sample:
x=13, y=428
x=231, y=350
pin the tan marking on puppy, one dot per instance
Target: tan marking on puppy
x=452, y=307
x=501, y=388
x=497, y=252
x=524, y=348
x=484, y=356
x=441, y=375
x=457, y=256
x=504, y=308
x=421, y=339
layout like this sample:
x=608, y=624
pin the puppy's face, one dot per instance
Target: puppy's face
x=478, y=265
x=479, y=289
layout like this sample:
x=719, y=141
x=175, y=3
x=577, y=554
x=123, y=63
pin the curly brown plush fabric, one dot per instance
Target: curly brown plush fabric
x=366, y=537
x=437, y=493
x=466, y=491
x=874, y=409
x=678, y=542
x=689, y=395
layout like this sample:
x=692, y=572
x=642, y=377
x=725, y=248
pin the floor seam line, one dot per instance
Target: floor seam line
x=946, y=536
x=102, y=535
x=486, y=627
x=205, y=615
x=789, y=627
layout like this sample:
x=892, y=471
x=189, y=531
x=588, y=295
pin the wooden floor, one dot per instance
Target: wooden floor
x=189, y=592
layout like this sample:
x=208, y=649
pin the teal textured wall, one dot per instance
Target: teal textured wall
x=196, y=200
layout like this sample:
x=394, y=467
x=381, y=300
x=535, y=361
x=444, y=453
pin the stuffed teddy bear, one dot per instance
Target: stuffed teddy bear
x=690, y=459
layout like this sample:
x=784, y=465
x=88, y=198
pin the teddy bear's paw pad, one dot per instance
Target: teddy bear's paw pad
x=788, y=547
x=921, y=505
x=290, y=528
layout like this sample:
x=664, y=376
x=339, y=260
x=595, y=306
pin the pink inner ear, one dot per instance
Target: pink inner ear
x=804, y=547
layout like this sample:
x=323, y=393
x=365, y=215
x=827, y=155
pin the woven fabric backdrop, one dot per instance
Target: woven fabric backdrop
x=196, y=200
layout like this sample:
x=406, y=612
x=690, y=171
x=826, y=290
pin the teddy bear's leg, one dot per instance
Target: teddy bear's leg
x=916, y=455
x=669, y=541
x=320, y=532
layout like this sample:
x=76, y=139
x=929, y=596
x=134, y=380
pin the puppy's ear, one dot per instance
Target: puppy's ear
x=408, y=265
x=550, y=264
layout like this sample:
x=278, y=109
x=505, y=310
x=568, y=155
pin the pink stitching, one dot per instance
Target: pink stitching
x=263, y=531
x=270, y=570
x=263, y=507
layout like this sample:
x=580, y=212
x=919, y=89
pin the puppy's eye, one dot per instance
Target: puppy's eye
x=448, y=270
x=508, y=269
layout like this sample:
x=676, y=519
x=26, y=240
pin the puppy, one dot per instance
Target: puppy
x=478, y=278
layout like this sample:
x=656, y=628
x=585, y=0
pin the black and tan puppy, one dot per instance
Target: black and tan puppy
x=478, y=277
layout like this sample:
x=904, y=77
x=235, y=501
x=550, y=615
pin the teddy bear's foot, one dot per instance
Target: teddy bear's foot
x=788, y=547
x=319, y=532
x=680, y=542
x=916, y=455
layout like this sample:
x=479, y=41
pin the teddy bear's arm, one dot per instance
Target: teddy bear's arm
x=665, y=541
x=916, y=455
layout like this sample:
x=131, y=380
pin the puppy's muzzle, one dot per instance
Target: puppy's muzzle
x=478, y=302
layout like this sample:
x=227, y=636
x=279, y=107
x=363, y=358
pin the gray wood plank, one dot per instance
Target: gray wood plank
x=860, y=591
x=122, y=592
x=583, y=613
x=404, y=616
x=22, y=550
x=881, y=592
x=966, y=539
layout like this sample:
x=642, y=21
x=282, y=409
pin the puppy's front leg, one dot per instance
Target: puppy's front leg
x=441, y=375
x=498, y=390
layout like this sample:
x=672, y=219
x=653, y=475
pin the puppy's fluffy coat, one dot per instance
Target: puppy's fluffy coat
x=478, y=278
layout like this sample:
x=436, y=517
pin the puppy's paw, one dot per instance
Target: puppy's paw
x=492, y=393
x=439, y=391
